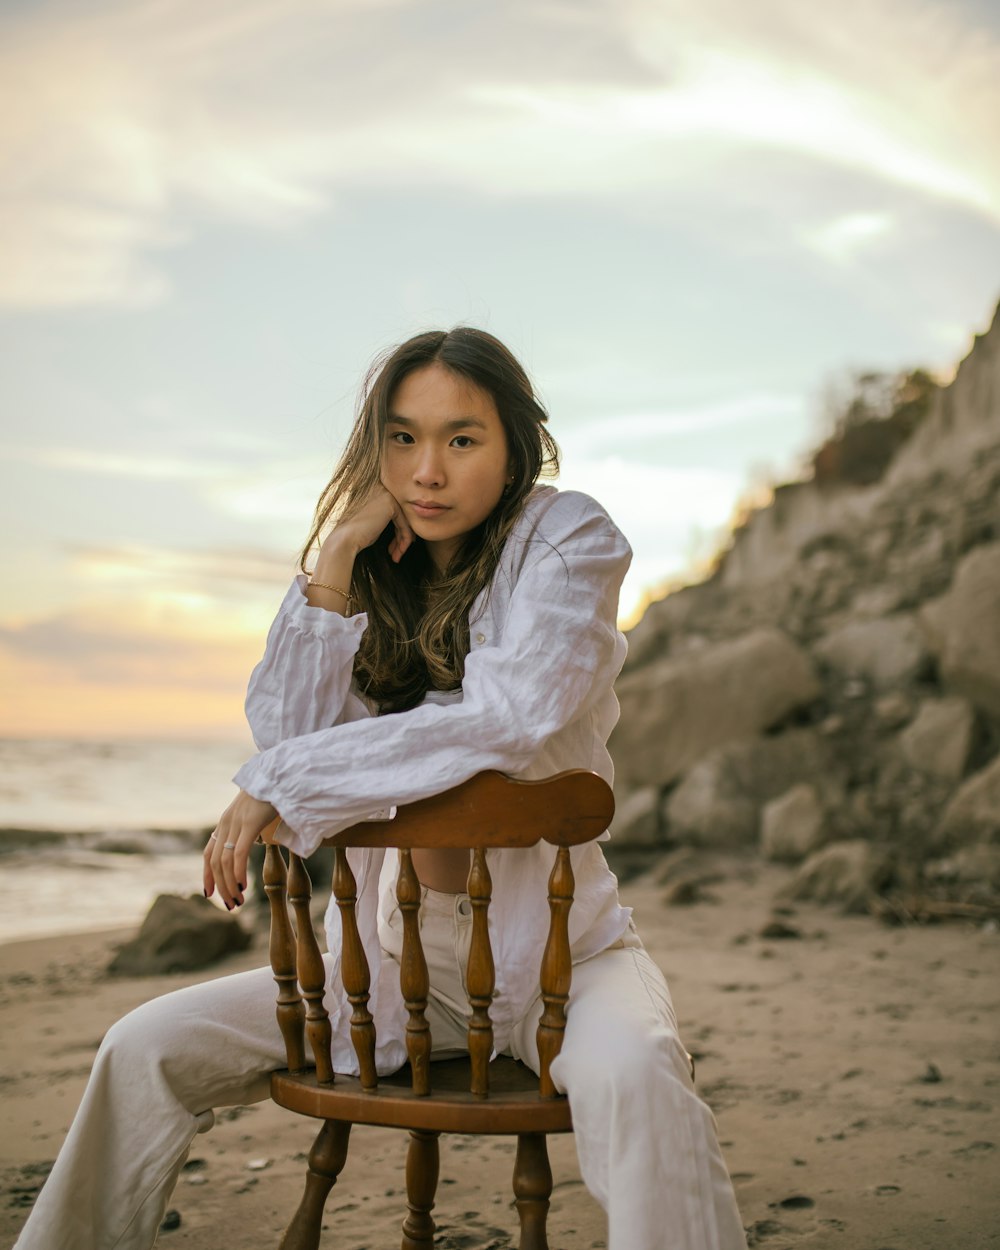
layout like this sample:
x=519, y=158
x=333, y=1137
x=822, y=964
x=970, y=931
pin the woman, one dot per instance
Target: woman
x=459, y=617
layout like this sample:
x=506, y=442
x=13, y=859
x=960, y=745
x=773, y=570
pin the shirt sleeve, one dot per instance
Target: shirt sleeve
x=303, y=682
x=560, y=652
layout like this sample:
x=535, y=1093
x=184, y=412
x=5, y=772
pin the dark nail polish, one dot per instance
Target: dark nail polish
x=229, y=906
x=243, y=889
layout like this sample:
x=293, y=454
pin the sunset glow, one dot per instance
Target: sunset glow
x=685, y=217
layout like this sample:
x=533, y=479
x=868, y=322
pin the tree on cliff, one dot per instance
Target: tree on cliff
x=869, y=419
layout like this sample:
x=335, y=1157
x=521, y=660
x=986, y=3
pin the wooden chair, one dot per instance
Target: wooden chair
x=470, y=1094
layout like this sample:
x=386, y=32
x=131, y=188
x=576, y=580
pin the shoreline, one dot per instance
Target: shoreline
x=853, y=1070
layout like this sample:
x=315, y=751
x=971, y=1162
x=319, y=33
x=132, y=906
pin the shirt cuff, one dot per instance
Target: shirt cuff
x=252, y=777
x=319, y=621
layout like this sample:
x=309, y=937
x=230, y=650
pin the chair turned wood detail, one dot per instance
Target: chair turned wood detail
x=468, y=1095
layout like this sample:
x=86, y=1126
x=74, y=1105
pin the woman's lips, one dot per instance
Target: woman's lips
x=426, y=510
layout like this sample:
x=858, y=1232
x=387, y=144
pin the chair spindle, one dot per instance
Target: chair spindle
x=312, y=970
x=532, y=1189
x=355, y=972
x=326, y=1162
x=556, y=971
x=289, y=1010
x=423, y=1163
x=480, y=975
x=414, y=980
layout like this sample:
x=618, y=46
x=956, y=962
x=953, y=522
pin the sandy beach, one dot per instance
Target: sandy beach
x=854, y=1070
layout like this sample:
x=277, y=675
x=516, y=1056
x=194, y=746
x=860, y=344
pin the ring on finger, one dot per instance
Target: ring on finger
x=229, y=846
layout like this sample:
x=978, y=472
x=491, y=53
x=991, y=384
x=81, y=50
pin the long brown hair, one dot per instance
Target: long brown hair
x=418, y=627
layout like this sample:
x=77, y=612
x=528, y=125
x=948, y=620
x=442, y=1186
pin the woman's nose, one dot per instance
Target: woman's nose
x=429, y=470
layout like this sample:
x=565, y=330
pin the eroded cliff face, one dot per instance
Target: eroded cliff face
x=837, y=680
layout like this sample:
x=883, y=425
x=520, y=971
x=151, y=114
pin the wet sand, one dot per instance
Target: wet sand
x=854, y=1071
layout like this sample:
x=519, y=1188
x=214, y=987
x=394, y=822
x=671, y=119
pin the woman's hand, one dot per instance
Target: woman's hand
x=228, y=849
x=362, y=526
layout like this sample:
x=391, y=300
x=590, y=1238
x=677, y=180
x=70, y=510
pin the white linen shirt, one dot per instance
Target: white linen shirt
x=537, y=698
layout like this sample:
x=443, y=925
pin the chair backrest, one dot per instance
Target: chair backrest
x=488, y=811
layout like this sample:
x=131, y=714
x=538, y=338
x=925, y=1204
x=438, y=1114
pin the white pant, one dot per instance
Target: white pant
x=646, y=1142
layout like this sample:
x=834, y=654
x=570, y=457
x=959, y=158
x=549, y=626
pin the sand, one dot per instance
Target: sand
x=854, y=1071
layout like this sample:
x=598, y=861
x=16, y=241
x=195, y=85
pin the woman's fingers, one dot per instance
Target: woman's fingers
x=228, y=852
x=402, y=537
x=207, y=876
x=368, y=519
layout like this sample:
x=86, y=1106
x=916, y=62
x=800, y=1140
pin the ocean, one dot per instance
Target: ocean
x=91, y=832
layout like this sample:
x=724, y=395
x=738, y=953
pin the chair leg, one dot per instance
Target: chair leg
x=422, y=1166
x=532, y=1189
x=326, y=1159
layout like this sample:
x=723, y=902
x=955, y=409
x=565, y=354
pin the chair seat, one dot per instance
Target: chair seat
x=514, y=1105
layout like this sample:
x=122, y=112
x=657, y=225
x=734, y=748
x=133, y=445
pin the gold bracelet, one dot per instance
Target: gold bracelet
x=335, y=589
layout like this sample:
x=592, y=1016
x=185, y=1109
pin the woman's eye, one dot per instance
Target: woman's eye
x=401, y=438
x=462, y=440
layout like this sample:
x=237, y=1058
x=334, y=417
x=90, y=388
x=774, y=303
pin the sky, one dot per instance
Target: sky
x=688, y=218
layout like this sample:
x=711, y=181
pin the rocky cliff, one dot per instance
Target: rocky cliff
x=831, y=694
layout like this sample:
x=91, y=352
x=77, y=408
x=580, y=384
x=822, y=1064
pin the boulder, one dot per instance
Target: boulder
x=850, y=873
x=179, y=935
x=792, y=825
x=637, y=819
x=886, y=652
x=719, y=801
x=939, y=740
x=973, y=815
x=893, y=709
x=978, y=864
x=685, y=874
x=963, y=629
x=676, y=710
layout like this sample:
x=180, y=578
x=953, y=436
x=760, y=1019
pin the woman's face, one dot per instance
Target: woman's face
x=444, y=457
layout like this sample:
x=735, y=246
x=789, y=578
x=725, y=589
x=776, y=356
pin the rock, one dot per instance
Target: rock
x=179, y=935
x=963, y=629
x=685, y=875
x=697, y=812
x=718, y=803
x=683, y=893
x=973, y=815
x=876, y=601
x=681, y=864
x=978, y=864
x=939, y=741
x=886, y=652
x=792, y=825
x=849, y=873
x=677, y=709
x=893, y=709
x=637, y=819
x=778, y=930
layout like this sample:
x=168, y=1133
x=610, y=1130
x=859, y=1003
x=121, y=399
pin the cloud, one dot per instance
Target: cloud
x=116, y=464
x=675, y=516
x=138, y=123
x=270, y=486
x=842, y=238
x=907, y=89
x=189, y=574
x=614, y=432
x=101, y=648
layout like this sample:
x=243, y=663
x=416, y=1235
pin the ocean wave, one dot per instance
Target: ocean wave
x=112, y=842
